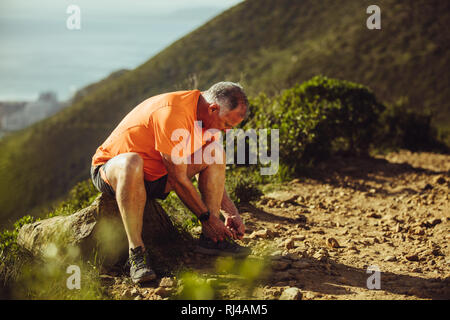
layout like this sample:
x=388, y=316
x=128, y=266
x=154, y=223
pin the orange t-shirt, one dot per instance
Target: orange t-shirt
x=149, y=129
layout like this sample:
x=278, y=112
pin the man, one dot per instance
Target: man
x=141, y=159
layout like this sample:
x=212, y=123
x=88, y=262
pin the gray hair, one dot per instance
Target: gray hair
x=227, y=94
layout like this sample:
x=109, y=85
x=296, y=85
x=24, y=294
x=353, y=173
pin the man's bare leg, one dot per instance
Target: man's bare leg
x=126, y=174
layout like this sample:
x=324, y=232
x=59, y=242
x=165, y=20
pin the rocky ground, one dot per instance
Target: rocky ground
x=321, y=236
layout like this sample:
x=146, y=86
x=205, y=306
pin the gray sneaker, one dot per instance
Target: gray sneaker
x=140, y=270
x=221, y=248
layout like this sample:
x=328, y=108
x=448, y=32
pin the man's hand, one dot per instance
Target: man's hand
x=215, y=229
x=235, y=223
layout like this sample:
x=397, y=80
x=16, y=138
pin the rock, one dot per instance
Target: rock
x=440, y=180
x=412, y=257
x=134, y=292
x=264, y=233
x=98, y=230
x=332, y=243
x=390, y=258
x=435, y=222
x=309, y=295
x=321, y=255
x=280, y=265
x=271, y=203
x=166, y=282
x=301, y=219
x=163, y=292
x=291, y=294
x=289, y=244
x=126, y=294
x=374, y=215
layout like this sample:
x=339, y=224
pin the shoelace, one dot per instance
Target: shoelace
x=139, y=261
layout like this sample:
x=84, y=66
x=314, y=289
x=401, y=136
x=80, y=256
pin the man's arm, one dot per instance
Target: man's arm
x=233, y=219
x=213, y=228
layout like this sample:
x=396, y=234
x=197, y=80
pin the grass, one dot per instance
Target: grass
x=268, y=46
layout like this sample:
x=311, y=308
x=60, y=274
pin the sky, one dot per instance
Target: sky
x=39, y=53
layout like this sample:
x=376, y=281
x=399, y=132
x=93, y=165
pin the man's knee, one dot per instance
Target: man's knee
x=132, y=166
x=214, y=154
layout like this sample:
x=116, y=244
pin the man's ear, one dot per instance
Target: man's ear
x=214, y=108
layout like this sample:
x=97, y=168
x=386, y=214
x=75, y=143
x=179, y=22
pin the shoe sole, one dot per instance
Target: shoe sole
x=216, y=252
x=146, y=278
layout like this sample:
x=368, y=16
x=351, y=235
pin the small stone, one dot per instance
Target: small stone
x=166, y=282
x=440, y=180
x=271, y=203
x=289, y=243
x=332, y=243
x=134, y=292
x=126, y=294
x=162, y=292
x=412, y=257
x=390, y=258
x=280, y=265
x=264, y=233
x=291, y=294
x=435, y=222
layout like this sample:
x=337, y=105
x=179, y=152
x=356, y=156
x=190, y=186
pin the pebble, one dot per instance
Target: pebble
x=126, y=294
x=289, y=243
x=390, y=258
x=162, y=292
x=332, y=243
x=280, y=265
x=166, y=282
x=412, y=257
x=264, y=233
x=292, y=293
x=440, y=180
x=134, y=292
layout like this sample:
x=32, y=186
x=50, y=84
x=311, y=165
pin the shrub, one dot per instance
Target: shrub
x=320, y=117
x=403, y=128
x=80, y=196
x=242, y=187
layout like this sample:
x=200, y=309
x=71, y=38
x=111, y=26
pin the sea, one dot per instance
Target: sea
x=64, y=45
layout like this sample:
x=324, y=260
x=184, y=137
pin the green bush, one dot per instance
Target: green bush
x=80, y=196
x=320, y=117
x=242, y=186
x=403, y=128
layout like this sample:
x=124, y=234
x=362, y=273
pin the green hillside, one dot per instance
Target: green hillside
x=266, y=45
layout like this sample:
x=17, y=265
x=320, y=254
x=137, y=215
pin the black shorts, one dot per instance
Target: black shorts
x=155, y=189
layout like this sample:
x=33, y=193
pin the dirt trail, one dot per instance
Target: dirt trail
x=323, y=232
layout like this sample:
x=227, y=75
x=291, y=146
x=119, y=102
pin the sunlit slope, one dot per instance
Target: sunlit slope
x=266, y=45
